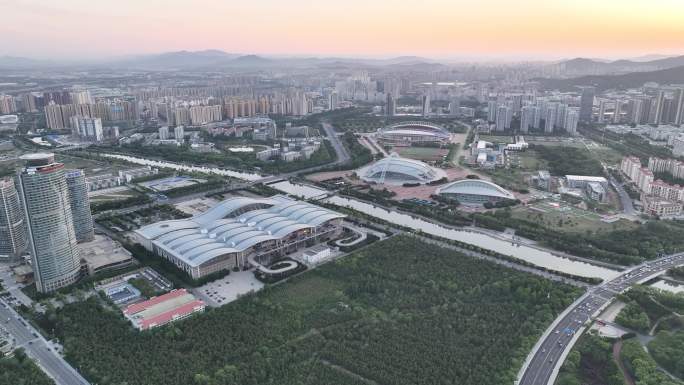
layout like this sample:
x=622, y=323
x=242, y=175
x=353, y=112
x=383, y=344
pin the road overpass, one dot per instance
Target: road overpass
x=547, y=356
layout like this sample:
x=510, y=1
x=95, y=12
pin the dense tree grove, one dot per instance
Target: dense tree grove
x=631, y=316
x=242, y=161
x=136, y=200
x=677, y=272
x=20, y=370
x=360, y=155
x=590, y=363
x=668, y=350
x=646, y=305
x=625, y=247
x=642, y=366
x=398, y=312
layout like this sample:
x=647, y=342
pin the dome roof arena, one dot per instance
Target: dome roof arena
x=397, y=170
x=474, y=191
x=413, y=132
x=234, y=226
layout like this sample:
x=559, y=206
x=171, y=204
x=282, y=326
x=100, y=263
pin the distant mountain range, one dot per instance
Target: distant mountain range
x=22, y=62
x=673, y=75
x=583, y=66
x=216, y=59
x=220, y=60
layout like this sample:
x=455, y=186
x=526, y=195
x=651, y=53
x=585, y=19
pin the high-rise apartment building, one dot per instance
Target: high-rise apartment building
x=427, y=109
x=12, y=222
x=52, y=240
x=179, y=133
x=491, y=111
x=587, y=104
x=550, y=118
x=182, y=116
x=7, y=105
x=53, y=117
x=526, y=118
x=81, y=97
x=571, y=121
x=80, y=205
x=87, y=128
x=164, y=132
x=390, y=105
x=502, y=114
x=29, y=101
x=205, y=114
x=333, y=100
x=536, y=120
x=679, y=103
x=657, y=116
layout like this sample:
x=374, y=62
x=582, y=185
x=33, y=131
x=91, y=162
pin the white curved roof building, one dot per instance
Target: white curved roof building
x=474, y=191
x=237, y=231
x=407, y=133
x=396, y=170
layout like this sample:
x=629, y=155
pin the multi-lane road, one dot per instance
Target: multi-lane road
x=545, y=360
x=37, y=348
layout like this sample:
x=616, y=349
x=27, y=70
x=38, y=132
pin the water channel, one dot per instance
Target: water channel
x=530, y=254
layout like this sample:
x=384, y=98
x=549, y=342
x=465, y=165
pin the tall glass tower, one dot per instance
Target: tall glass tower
x=80, y=205
x=45, y=197
x=12, y=222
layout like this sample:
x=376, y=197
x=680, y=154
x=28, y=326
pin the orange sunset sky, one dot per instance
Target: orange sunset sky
x=434, y=28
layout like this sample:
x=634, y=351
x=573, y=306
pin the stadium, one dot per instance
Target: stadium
x=413, y=133
x=240, y=232
x=474, y=192
x=395, y=170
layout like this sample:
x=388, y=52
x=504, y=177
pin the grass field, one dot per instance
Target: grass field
x=569, y=219
x=425, y=154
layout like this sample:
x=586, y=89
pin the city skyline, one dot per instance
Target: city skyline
x=491, y=29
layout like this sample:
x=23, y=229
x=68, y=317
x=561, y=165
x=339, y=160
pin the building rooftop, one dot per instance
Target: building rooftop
x=586, y=178
x=162, y=309
x=234, y=225
x=102, y=251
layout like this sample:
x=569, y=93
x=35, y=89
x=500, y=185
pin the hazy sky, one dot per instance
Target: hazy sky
x=438, y=28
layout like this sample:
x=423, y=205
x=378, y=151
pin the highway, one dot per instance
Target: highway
x=37, y=348
x=541, y=367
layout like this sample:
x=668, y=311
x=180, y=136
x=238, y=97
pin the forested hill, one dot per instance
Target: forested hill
x=604, y=82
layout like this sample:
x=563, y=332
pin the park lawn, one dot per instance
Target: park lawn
x=400, y=312
x=572, y=221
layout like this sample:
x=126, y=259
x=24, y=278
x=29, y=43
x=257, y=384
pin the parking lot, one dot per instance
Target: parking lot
x=228, y=288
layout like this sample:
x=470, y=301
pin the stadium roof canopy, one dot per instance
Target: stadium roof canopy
x=475, y=187
x=394, y=169
x=415, y=128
